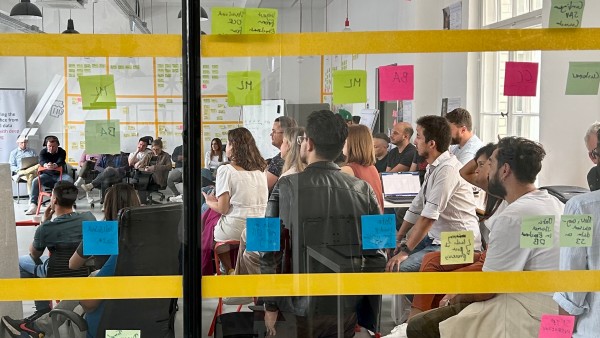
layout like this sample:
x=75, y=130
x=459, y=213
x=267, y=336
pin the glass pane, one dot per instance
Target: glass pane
x=490, y=12
x=492, y=126
x=536, y=4
x=506, y=9
x=522, y=7
x=526, y=126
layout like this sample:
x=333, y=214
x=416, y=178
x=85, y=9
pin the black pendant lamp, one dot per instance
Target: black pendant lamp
x=70, y=28
x=203, y=14
x=26, y=8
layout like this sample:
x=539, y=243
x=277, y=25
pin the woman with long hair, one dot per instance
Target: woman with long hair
x=290, y=151
x=360, y=159
x=240, y=190
x=216, y=156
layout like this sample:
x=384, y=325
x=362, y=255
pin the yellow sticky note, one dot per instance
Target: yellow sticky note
x=537, y=231
x=457, y=247
x=123, y=334
x=98, y=92
x=349, y=86
x=102, y=136
x=130, y=128
x=227, y=20
x=260, y=21
x=576, y=230
x=243, y=88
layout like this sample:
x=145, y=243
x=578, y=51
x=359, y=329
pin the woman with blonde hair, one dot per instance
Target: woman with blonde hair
x=360, y=159
x=290, y=151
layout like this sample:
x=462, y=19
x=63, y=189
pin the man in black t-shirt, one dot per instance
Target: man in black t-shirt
x=401, y=157
x=380, y=143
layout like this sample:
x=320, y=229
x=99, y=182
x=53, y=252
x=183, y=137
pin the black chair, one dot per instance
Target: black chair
x=146, y=186
x=58, y=262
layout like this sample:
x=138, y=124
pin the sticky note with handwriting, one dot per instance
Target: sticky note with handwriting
x=263, y=234
x=566, y=13
x=97, y=92
x=576, y=230
x=102, y=137
x=396, y=83
x=227, y=20
x=520, y=78
x=457, y=247
x=556, y=326
x=537, y=231
x=260, y=21
x=378, y=231
x=123, y=334
x=349, y=86
x=583, y=78
x=243, y=88
x=100, y=237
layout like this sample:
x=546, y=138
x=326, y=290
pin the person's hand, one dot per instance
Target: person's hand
x=48, y=213
x=209, y=197
x=446, y=300
x=394, y=263
x=270, y=320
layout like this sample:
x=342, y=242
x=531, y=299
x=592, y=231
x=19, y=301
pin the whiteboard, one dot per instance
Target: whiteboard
x=259, y=120
x=368, y=117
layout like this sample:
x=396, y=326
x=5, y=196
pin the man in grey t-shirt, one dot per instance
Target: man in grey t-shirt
x=464, y=142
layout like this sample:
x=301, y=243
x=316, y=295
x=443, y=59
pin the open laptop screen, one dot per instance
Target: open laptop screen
x=403, y=183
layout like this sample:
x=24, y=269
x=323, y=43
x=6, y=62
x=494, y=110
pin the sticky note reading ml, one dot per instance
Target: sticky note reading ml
x=576, y=230
x=583, y=78
x=100, y=238
x=243, y=88
x=378, y=231
x=123, y=334
x=396, y=83
x=537, y=231
x=98, y=92
x=520, y=78
x=263, y=234
x=260, y=21
x=102, y=137
x=566, y=13
x=349, y=86
x=556, y=326
x=457, y=247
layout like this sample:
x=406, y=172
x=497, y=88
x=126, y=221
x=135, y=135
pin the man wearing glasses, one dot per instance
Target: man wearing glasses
x=591, y=143
x=273, y=170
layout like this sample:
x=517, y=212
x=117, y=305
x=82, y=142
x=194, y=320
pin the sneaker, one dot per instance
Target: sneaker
x=398, y=332
x=16, y=178
x=79, y=182
x=88, y=187
x=32, y=209
x=21, y=328
x=37, y=314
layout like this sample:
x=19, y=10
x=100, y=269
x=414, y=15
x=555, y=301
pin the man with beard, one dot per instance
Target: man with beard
x=444, y=203
x=319, y=203
x=464, y=142
x=400, y=158
x=514, y=166
x=273, y=170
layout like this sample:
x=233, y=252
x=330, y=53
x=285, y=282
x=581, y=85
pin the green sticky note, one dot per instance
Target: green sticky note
x=566, y=13
x=243, y=88
x=227, y=20
x=537, y=231
x=349, y=86
x=102, y=137
x=98, y=92
x=576, y=230
x=583, y=78
x=123, y=334
x=260, y=21
x=457, y=247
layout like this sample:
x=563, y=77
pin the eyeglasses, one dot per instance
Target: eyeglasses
x=300, y=139
x=593, y=154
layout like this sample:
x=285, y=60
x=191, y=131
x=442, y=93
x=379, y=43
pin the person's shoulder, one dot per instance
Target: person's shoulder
x=86, y=216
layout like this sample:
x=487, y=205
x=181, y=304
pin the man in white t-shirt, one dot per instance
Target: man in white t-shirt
x=464, y=142
x=514, y=166
x=140, y=152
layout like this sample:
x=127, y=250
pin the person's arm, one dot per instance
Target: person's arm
x=62, y=156
x=37, y=247
x=82, y=159
x=77, y=260
x=220, y=205
x=471, y=298
x=35, y=253
x=107, y=270
x=12, y=159
x=164, y=163
x=398, y=168
x=207, y=160
x=468, y=173
x=143, y=162
x=413, y=167
x=43, y=158
x=271, y=180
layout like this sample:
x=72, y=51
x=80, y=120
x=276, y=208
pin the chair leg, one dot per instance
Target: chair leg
x=218, y=312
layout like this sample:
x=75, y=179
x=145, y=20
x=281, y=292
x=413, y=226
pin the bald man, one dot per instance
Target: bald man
x=401, y=157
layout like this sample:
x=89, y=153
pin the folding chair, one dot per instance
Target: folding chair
x=42, y=189
x=222, y=247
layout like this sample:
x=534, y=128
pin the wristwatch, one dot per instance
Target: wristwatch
x=404, y=248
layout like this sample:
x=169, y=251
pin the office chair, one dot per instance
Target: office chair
x=232, y=248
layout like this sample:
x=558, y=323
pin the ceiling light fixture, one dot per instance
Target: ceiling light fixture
x=347, y=22
x=25, y=9
x=70, y=28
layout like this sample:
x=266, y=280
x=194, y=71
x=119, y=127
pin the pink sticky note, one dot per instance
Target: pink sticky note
x=520, y=78
x=396, y=83
x=555, y=326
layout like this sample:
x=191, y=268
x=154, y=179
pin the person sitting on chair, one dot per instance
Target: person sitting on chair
x=16, y=167
x=157, y=163
x=176, y=175
x=141, y=151
x=87, y=163
x=112, y=168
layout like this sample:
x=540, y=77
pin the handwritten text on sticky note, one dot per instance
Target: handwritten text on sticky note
x=243, y=88
x=234, y=20
x=457, y=247
x=566, y=13
x=263, y=234
x=583, y=78
x=123, y=334
x=576, y=230
x=537, y=231
x=102, y=137
x=100, y=237
x=555, y=326
x=260, y=21
x=97, y=91
x=520, y=78
x=396, y=83
x=349, y=86
x=378, y=231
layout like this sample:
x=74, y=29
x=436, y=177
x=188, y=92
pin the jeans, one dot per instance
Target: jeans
x=413, y=262
x=30, y=269
x=47, y=181
x=175, y=176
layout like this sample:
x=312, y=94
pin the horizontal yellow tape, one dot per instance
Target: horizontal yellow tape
x=435, y=41
x=91, y=288
x=399, y=283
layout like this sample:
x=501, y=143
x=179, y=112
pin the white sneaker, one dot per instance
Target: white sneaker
x=32, y=209
x=398, y=332
x=16, y=178
x=178, y=198
x=88, y=187
x=79, y=182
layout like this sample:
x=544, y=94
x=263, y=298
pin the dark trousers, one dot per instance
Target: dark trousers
x=426, y=324
x=324, y=326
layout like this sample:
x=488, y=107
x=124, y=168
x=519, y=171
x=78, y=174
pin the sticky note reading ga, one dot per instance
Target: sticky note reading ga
x=556, y=326
x=98, y=92
x=457, y=247
x=537, y=231
x=566, y=13
x=583, y=78
x=378, y=231
x=520, y=78
x=100, y=238
x=123, y=334
x=396, y=83
x=263, y=234
x=102, y=137
x=576, y=230
x=243, y=88
x=349, y=86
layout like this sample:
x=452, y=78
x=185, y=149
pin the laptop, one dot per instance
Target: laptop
x=400, y=187
x=28, y=162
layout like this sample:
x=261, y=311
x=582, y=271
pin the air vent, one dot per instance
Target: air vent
x=62, y=4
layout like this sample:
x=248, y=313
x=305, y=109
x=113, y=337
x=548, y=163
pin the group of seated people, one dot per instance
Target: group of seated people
x=327, y=171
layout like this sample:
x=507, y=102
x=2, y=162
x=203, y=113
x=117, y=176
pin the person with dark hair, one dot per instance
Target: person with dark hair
x=140, y=152
x=380, y=144
x=514, y=166
x=216, y=156
x=320, y=196
x=64, y=228
x=400, y=158
x=275, y=166
x=464, y=142
x=112, y=168
x=158, y=164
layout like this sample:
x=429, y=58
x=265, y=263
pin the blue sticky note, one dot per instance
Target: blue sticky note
x=378, y=231
x=262, y=234
x=100, y=238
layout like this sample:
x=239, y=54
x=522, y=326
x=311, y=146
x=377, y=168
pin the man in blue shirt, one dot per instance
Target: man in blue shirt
x=16, y=168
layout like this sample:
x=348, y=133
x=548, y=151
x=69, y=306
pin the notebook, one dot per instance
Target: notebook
x=28, y=162
x=400, y=187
